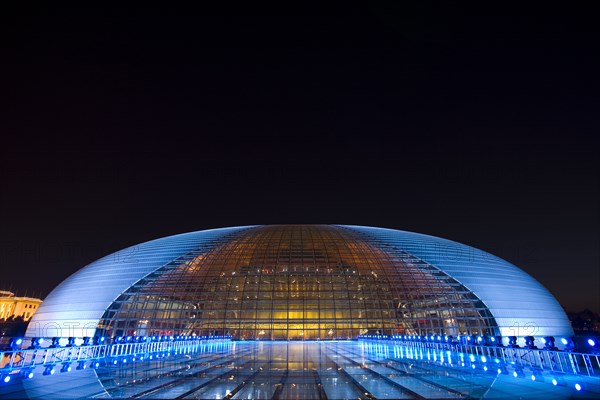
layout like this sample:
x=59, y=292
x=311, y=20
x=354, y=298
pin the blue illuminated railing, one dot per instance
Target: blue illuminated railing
x=21, y=362
x=512, y=356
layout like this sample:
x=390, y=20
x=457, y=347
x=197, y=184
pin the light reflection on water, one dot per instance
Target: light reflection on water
x=299, y=370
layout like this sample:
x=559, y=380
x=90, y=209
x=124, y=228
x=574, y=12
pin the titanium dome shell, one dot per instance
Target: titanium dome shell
x=300, y=282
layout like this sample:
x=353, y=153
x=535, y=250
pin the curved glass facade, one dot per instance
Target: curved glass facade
x=303, y=282
x=75, y=307
x=521, y=306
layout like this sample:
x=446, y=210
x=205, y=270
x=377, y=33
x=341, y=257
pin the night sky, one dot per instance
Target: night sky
x=124, y=125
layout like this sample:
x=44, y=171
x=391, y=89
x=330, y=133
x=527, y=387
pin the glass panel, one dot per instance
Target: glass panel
x=295, y=282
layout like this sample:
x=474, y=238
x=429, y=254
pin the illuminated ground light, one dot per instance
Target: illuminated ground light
x=16, y=343
x=36, y=342
x=518, y=373
x=66, y=368
x=568, y=343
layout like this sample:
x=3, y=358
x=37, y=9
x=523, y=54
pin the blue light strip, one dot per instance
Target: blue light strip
x=22, y=362
x=564, y=362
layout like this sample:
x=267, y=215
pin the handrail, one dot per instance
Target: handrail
x=12, y=361
x=565, y=362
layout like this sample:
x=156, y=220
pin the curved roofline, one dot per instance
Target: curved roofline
x=484, y=274
x=511, y=295
x=69, y=310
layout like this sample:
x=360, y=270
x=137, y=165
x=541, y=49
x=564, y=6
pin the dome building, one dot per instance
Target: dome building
x=300, y=282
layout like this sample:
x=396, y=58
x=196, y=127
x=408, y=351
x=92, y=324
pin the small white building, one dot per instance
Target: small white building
x=12, y=306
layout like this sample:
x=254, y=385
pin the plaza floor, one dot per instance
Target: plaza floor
x=303, y=370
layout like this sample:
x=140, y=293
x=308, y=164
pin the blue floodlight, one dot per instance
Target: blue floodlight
x=568, y=343
x=55, y=342
x=86, y=341
x=591, y=342
x=549, y=343
x=530, y=342
x=28, y=374
x=5, y=378
x=81, y=365
x=16, y=343
x=49, y=370
x=99, y=340
x=36, y=342
x=512, y=342
x=518, y=372
x=70, y=342
x=66, y=367
x=578, y=387
x=537, y=376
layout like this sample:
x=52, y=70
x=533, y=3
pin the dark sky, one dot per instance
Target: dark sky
x=123, y=125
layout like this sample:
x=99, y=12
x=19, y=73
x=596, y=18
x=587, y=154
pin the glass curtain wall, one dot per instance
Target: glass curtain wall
x=298, y=282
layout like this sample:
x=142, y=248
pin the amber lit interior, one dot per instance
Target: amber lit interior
x=297, y=282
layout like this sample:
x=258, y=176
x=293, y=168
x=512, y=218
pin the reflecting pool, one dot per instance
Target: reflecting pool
x=301, y=370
